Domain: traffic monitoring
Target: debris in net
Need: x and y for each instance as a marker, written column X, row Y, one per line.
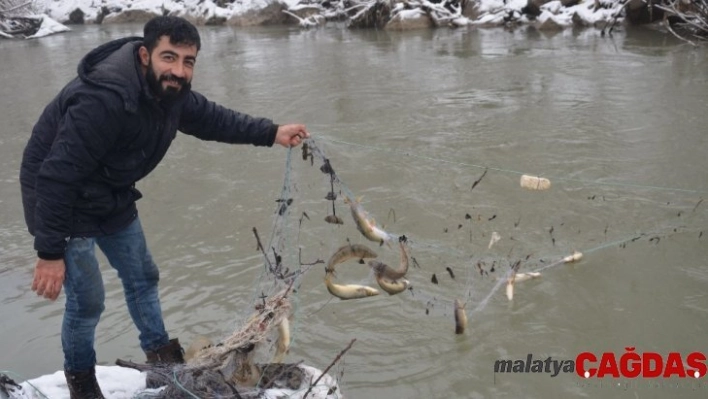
column 326, row 168
column 305, row 151
column 476, row 182
column 695, row 207
column 333, row 219
column 535, row 182
column 227, row 369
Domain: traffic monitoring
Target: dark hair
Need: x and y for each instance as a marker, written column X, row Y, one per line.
column 179, row 30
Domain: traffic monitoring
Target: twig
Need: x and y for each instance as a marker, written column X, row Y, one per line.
column 135, row 366
column 260, row 247
column 668, row 27
column 15, row 7
column 614, row 20
column 476, row 182
column 314, row 384
column 299, row 258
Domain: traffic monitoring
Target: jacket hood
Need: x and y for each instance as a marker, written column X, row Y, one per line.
column 114, row 65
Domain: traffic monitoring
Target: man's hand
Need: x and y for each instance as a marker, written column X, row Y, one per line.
column 48, row 278
column 291, row 135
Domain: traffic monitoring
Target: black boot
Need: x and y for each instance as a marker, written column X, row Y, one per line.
column 166, row 355
column 83, row 384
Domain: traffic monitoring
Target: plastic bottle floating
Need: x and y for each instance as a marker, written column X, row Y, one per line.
column 535, row 182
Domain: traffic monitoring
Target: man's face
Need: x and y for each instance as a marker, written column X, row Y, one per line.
column 169, row 68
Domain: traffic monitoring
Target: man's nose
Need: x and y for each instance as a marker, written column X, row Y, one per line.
column 178, row 70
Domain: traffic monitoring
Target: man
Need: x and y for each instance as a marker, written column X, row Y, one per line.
column 107, row 129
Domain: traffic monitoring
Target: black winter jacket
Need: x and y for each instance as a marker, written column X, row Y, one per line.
column 102, row 133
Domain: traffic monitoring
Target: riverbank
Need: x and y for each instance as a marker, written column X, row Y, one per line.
column 399, row 15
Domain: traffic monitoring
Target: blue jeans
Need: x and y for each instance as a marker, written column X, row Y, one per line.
column 127, row 252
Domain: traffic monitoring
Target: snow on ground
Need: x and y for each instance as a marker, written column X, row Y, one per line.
column 124, row 383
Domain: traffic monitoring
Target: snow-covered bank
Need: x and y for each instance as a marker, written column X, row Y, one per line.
column 409, row 14
column 29, row 26
column 383, row 14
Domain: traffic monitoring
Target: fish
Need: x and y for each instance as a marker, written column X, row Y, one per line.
column 576, row 256
column 367, row 226
column 388, row 272
column 510, row 288
column 526, row 276
column 517, row 278
column 283, row 345
column 393, row 287
column 347, row 252
column 199, row 343
column 349, row 291
column 460, row 317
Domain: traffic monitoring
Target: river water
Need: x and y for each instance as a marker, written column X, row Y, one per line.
column 410, row 121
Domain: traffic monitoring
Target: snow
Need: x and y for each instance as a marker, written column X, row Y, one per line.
column 489, row 12
column 124, row 383
column 48, row 27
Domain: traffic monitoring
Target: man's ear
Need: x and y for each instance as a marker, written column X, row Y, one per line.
column 144, row 56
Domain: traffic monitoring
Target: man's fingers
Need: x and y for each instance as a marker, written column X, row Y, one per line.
column 40, row 289
column 53, row 294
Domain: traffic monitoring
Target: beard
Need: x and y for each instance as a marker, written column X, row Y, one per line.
column 165, row 92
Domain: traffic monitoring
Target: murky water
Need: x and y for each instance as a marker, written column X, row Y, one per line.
column 410, row 121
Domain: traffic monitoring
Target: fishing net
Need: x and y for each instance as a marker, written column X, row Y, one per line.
column 319, row 221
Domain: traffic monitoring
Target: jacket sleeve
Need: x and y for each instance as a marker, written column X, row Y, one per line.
column 207, row 120
column 88, row 128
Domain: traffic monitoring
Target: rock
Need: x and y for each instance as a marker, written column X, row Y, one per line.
column 127, row 16
column 76, row 17
column 270, row 15
column 638, row 12
column 533, row 7
column 215, row 21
